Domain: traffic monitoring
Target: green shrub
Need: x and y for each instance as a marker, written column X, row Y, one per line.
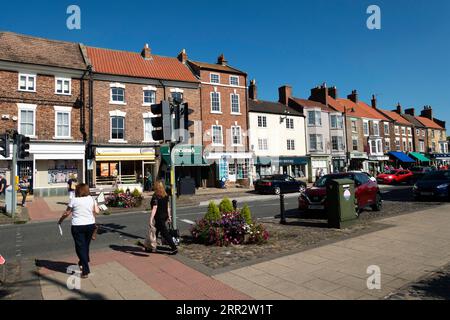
column 136, row 193
column 226, row 206
column 213, row 213
column 246, row 214
column 119, row 191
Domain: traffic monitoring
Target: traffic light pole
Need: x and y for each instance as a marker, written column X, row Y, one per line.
column 173, row 199
column 13, row 180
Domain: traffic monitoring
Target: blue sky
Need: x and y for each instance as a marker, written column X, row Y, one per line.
column 301, row 43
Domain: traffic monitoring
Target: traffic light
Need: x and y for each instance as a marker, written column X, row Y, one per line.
column 185, row 123
column 162, row 123
column 4, row 145
column 23, row 146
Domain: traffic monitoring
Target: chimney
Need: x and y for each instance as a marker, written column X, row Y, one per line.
column 411, row 112
column 398, row 109
column 146, row 52
column 285, row 92
column 427, row 112
column 253, row 90
column 333, row 92
column 221, row 60
column 353, row 96
column 182, row 56
column 320, row 94
column 440, row 122
column 374, row 101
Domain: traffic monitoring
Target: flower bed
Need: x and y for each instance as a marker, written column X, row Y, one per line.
column 121, row 199
column 227, row 226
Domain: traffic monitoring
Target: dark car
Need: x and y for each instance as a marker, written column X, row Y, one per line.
column 278, row 184
column 367, row 192
column 419, row 172
column 433, row 185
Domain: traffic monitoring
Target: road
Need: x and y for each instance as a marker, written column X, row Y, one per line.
column 35, row 240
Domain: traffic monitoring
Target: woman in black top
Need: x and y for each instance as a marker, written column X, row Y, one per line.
column 161, row 214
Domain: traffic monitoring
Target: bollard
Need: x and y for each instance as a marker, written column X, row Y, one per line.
column 282, row 210
column 235, row 205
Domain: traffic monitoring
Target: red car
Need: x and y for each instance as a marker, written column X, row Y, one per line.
column 366, row 191
column 395, row 177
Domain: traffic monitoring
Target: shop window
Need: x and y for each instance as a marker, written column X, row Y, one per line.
column 242, row 169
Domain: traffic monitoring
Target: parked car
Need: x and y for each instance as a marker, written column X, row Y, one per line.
column 419, row 172
column 367, row 192
column 435, row 184
column 395, row 177
column 278, row 184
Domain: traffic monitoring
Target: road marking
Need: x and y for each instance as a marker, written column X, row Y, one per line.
column 188, row 221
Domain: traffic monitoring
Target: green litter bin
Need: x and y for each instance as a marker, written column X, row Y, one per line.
column 340, row 203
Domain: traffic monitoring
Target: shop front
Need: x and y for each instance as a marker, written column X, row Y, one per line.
column 358, row 161
column 441, row 159
column 400, row 159
column 124, row 168
column 318, row 166
column 50, row 167
column 338, row 163
column 420, row 158
column 230, row 167
column 293, row 166
column 376, row 164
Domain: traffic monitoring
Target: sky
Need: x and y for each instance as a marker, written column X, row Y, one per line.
column 295, row 42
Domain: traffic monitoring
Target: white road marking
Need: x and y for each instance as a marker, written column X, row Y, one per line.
column 188, row 221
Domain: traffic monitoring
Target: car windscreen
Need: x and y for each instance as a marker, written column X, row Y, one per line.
column 392, row 171
column 439, row 175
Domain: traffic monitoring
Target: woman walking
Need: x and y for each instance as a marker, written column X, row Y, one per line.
column 160, row 215
column 24, row 187
column 82, row 207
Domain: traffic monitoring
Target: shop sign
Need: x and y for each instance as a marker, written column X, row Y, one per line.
column 358, row 155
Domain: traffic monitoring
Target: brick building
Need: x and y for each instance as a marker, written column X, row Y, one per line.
column 42, row 96
column 125, row 86
column 224, row 114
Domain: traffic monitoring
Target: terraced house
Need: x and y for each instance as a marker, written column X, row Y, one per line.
column 42, row 96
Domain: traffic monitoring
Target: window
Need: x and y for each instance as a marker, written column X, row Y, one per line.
column 148, row 128
column 149, row 97
column 27, row 82
column 316, row 142
column 236, row 135
column 27, row 120
column 386, row 129
column 242, row 168
column 235, row 105
column 422, row 146
column 354, row 128
column 366, row 127
column 336, row 122
column 355, row 143
column 217, row 137
column 215, row 78
column 405, row 146
column 289, row 123
column 263, row 145
column 234, row 80
column 117, row 128
column 62, row 122
column 409, row 131
column 63, row 86
column 314, row 118
column 397, row 144
column 432, row 134
column 375, row 147
column 262, row 122
column 410, row 145
column 387, row 145
column 337, row 143
column 404, row 131
column 442, row 146
column 376, row 129
column 397, row 130
column 417, row 132
column 423, row 133
column 433, row 146
column 291, row 144
column 215, row 102
column 117, row 94
column 177, row 95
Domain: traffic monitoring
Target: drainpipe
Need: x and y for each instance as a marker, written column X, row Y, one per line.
column 90, row 152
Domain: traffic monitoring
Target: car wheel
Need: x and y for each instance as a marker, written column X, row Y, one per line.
column 277, row 191
column 378, row 203
column 302, row 189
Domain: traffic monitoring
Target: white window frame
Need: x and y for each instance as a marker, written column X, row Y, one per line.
column 263, row 144
column 317, row 118
column 120, row 114
column 238, row 103
column 409, row 131
column 62, row 87
column 366, row 124
column 340, row 143
column 232, row 136
column 355, row 138
column 290, row 124
column 317, row 142
column 148, row 89
column 117, row 86
column 148, row 116
column 221, row 135
column 397, row 130
column 410, row 145
column 398, row 144
column 403, row 131
column 220, row 103
column 27, row 77
column 386, row 125
column 263, row 121
column 356, row 125
column 27, row 107
column 234, row 77
column 421, row 146
column 290, row 144
column 211, row 76
column 387, row 144
column 376, row 124
column 64, row 110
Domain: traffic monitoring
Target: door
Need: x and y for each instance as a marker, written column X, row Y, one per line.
column 232, row 171
column 25, row 169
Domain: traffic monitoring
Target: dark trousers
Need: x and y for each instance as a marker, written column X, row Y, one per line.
column 82, row 235
column 161, row 227
column 24, row 196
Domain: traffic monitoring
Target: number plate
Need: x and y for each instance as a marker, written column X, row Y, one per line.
column 316, row 207
column 426, row 193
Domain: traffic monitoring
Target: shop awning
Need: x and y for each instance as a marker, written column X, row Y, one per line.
column 185, row 156
column 401, row 157
column 419, row 156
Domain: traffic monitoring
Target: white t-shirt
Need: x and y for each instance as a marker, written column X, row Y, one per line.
column 82, row 211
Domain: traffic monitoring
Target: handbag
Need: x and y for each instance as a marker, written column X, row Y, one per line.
column 175, row 234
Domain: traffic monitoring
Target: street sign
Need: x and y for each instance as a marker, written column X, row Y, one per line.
column 2, row 260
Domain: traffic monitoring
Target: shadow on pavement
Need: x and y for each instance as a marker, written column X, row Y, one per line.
column 57, row 266
column 434, row 288
column 115, row 228
column 139, row 251
column 306, row 219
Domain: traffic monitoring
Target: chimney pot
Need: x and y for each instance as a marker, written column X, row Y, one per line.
column 411, row 112
column 146, row 52
column 374, row 101
column 427, row 112
column 221, row 60
column 182, row 56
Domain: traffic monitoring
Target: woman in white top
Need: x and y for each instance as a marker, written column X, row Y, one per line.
column 82, row 207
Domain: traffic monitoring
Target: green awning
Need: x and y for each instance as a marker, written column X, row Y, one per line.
column 185, row 156
column 419, row 156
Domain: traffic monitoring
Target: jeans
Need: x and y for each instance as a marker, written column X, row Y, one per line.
column 82, row 235
column 162, row 228
column 24, row 196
